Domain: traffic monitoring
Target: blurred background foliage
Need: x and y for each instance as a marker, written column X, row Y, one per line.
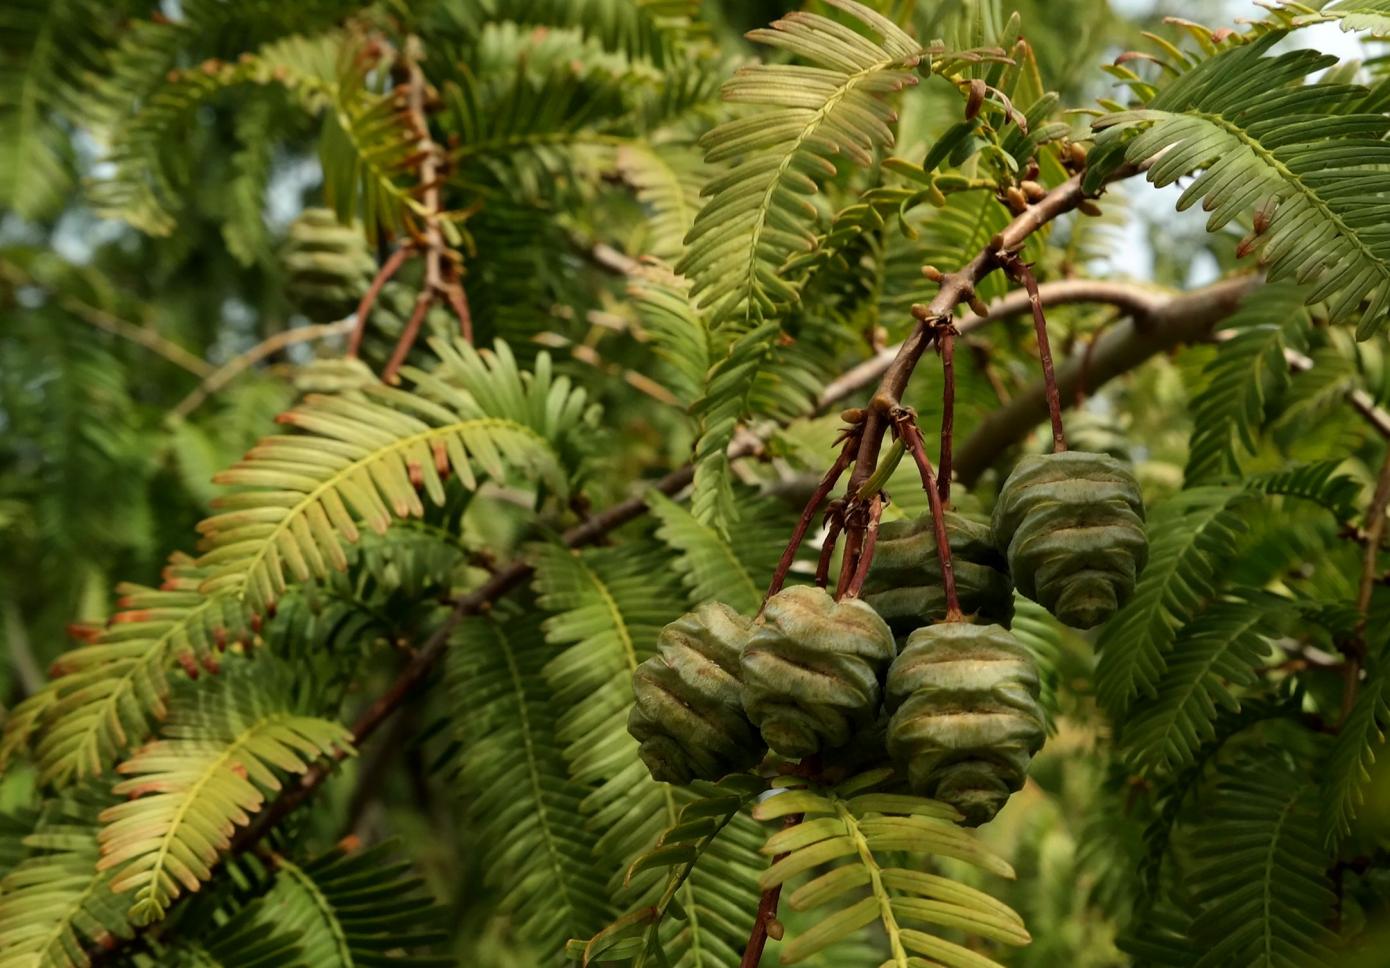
column 131, row 369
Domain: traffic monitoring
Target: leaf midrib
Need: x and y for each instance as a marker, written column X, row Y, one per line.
column 1292, row 179
column 852, row 81
column 249, row 566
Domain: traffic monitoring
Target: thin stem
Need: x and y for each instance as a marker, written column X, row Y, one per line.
column 906, row 423
column 408, row 336
column 947, row 341
column 1375, row 531
column 827, row 549
column 854, row 543
column 958, row 287
column 364, row 307
column 458, row 301
column 866, row 556
column 238, row 364
column 808, row 514
column 1020, row 271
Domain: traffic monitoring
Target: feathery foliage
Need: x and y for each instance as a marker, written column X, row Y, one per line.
column 218, row 756
column 300, row 497
column 55, row 903
column 1262, row 139
column 1189, row 537
column 514, row 776
column 1216, row 653
column 758, row 213
column 351, row 908
column 848, row 841
column 1263, row 893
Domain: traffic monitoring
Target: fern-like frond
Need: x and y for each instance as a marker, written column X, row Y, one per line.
column 218, row 756
column 728, row 390
column 56, row 904
column 1216, row 654
column 1353, row 751
column 105, row 694
column 355, row 908
column 667, row 179
column 758, row 214
column 1260, row 875
column 514, row 777
column 852, row 838
column 733, row 570
column 687, row 852
column 1264, row 138
column 366, row 460
column 243, row 936
column 1247, row 370
column 1372, row 16
column 1190, row 536
column 1319, row 482
column 679, row 332
column 45, row 48
column 365, row 143
column 650, row 29
column 606, row 608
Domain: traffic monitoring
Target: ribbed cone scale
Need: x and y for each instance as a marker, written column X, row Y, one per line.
column 327, row 265
column 1072, row 525
column 905, row 586
column 813, row 670
column 688, row 713
column 966, row 720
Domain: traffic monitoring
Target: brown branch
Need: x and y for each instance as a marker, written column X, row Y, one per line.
column 947, row 344
column 1127, row 297
column 767, row 913
column 808, row 514
column 956, row 287
column 1355, row 650
column 368, row 300
column 836, row 524
column 1361, row 401
column 906, row 423
column 1164, row 323
column 242, row 362
column 866, row 555
column 1021, row 271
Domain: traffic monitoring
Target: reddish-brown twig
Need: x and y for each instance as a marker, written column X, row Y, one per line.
column 835, row 524
column 458, row 301
column 866, row 555
column 906, row 422
column 408, row 336
column 808, row 514
column 1020, row 271
column 854, row 544
column 767, row 904
column 947, row 342
column 364, row 307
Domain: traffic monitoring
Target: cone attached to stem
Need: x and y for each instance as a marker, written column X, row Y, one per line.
column 688, row 713
column 813, row 670
column 966, row 720
column 1072, row 526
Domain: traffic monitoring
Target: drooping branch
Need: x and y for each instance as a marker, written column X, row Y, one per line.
column 956, row 288
column 1162, row 324
column 906, row 423
column 1021, row 271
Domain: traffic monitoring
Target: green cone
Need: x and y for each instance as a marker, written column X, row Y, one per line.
column 687, row 712
column 1072, row 525
column 966, row 720
column 813, row 669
